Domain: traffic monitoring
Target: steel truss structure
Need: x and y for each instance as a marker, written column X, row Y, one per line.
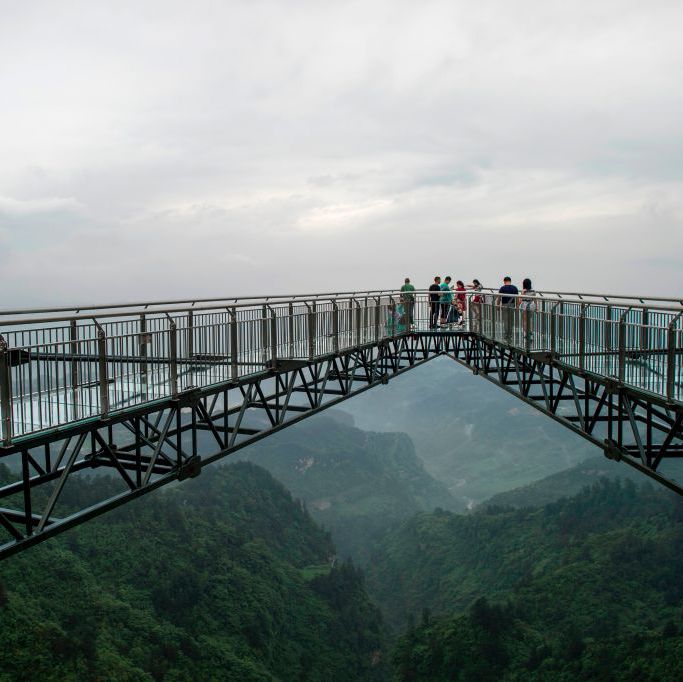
column 628, row 425
column 153, row 394
column 154, row 445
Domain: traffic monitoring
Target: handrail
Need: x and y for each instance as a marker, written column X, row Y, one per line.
column 605, row 300
column 192, row 301
column 609, row 297
column 6, row 324
column 236, row 300
column 256, row 302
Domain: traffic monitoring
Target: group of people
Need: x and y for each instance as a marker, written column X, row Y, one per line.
column 448, row 302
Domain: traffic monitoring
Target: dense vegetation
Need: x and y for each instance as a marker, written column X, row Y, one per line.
column 444, row 561
column 356, row 483
column 228, row 577
column 225, row 577
column 584, row 588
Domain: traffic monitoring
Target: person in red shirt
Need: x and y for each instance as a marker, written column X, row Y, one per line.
column 462, row 299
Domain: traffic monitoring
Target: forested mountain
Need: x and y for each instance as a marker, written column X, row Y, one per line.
column 228, row 577
column 471, row 435
column 225, row 577
column 588, row 548
column 594, row 593
column 358, row 484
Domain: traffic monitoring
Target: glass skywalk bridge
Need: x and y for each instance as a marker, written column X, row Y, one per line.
column 139, row 388
column 639, row 346
column 60, row 370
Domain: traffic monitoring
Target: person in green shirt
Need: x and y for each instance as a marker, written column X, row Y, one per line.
column 446, row 298
column 408, row 300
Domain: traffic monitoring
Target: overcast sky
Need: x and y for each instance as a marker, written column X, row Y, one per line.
column 153, row 149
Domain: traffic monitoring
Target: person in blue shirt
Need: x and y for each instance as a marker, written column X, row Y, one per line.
column 508, row 288
column 446, row 298
column 508, row 304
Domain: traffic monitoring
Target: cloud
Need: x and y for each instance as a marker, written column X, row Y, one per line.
column 10, row 207
column 343, row 216
column 308, row 145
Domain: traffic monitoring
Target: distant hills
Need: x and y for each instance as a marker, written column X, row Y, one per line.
column 472, row 436
column 565, row 483
column 356, row 483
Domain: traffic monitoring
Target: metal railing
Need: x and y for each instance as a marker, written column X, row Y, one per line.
column 57, row 369
column 639, row 346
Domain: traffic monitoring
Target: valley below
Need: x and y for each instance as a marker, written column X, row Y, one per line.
column 432, row 529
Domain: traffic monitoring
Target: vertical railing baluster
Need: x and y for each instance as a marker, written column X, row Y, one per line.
column 232, row 313
column 527, row 329
column 496, row 307
column 608, row 340
column 264, row 332
column 311, row 329
column 377, row 317
column 622, row 345
column 5, row 392
column 561, row 324
column 173, row 356
column 273, row 338
column 143, row 342
column 553, row 330
column 73, row 347
column 392, row 307
column 190, row 334
column 358, row 321
column 103, row 369
column 671, row 357
column 645, row 330
column 351, row 322
column 335, row 327
column 582, row 337
column 290, row 325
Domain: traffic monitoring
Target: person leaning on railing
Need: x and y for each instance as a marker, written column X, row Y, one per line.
column 508, row 301
column 527, row 304
column 475, row 303
column 408, row 300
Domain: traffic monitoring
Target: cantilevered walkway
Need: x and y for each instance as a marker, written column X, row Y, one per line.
column 154, row 391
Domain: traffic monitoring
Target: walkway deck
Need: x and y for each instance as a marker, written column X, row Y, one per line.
column 56, row 369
